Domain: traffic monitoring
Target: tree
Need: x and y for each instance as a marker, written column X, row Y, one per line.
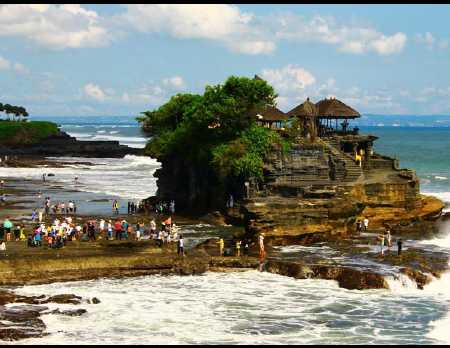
column 216, row 130
column 7, row 108
column 15, row 110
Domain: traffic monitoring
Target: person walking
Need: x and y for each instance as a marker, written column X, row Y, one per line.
column 399, row 246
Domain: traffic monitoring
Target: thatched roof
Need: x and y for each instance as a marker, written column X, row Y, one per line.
column 334, row 108
column 305, row 109
column 271, row 114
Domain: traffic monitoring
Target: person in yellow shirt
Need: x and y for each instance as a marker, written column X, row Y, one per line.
column 22, row 234
column 238, row 248
column 221, row 245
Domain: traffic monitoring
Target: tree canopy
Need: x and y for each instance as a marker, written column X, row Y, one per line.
column 217, row 129
column 17, row 111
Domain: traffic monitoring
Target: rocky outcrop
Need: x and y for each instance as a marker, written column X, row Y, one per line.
column 316, row 189
column 63, row 144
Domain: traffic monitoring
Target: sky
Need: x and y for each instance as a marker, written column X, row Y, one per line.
column 59, row 60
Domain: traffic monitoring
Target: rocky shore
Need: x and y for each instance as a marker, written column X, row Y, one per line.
column 62, row 144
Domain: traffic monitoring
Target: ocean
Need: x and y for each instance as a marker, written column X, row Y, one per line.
column 248, row 307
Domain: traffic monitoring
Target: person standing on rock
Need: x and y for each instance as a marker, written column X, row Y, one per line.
column 7, row 226
column 388, row 238
column 399, row 246
column 381, row 238
column 221, row 245
column 366, row 224
column 181, row 245
column 262, row 251
column 358, row 226
column 238, row 248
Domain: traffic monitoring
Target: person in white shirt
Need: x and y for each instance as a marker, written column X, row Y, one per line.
column 366, row 224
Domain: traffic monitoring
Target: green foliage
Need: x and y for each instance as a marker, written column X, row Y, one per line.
column 216, row 130
column 25, row 133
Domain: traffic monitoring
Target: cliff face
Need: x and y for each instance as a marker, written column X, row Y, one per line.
column 318, row 190
column 194, row 189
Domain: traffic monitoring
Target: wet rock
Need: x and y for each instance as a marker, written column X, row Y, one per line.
column 70, row 312
column 95, row 300
column 348, row 278
column 21, row 322
column 64, row 298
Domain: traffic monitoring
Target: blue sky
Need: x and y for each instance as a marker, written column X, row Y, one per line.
column 73, row 60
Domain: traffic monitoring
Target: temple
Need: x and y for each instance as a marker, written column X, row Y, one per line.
column 330, row 177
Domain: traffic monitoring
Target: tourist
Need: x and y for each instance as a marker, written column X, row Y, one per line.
column 71, row 206
column 181, row 245
column 101, row 227
column 91, row 231
column 152, row 226
column 358, row 226
column 129, row 207
column 116, row 207
column 388, row 238
column 221, row 245
column 110, row 230
column 17, row 233
column 7, row 226
column 262, row 251
column 43, row 177
column 366, row 224
column 118, row 229
column 22, row 235
column 2, row 245
column 37, row 237
column 2, row 183
column 238, row 248
column 246, row 247
column 399, row 246
column 33, row 215
column 381, row 237
column 40, row 216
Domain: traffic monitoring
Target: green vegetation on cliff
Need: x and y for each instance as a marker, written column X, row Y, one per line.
column 21, row 133
column 216, row 130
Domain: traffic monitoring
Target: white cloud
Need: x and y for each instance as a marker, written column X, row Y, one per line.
column 175, row 82
column 94, row 92
column 291, row 82
column 356, row 40
column 4, row 64
column 289, row 78
column 426, row 39
column 54, row 26
column 21, row 69
column 218, row 22
column 18, row 68
column 430, row 41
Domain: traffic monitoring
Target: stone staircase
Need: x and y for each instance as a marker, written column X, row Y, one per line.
column 352, row 171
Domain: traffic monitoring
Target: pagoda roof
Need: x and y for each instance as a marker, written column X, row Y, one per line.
column 334, row 108
column 305, row 109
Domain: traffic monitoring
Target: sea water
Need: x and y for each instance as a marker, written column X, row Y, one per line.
column 255, row 307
